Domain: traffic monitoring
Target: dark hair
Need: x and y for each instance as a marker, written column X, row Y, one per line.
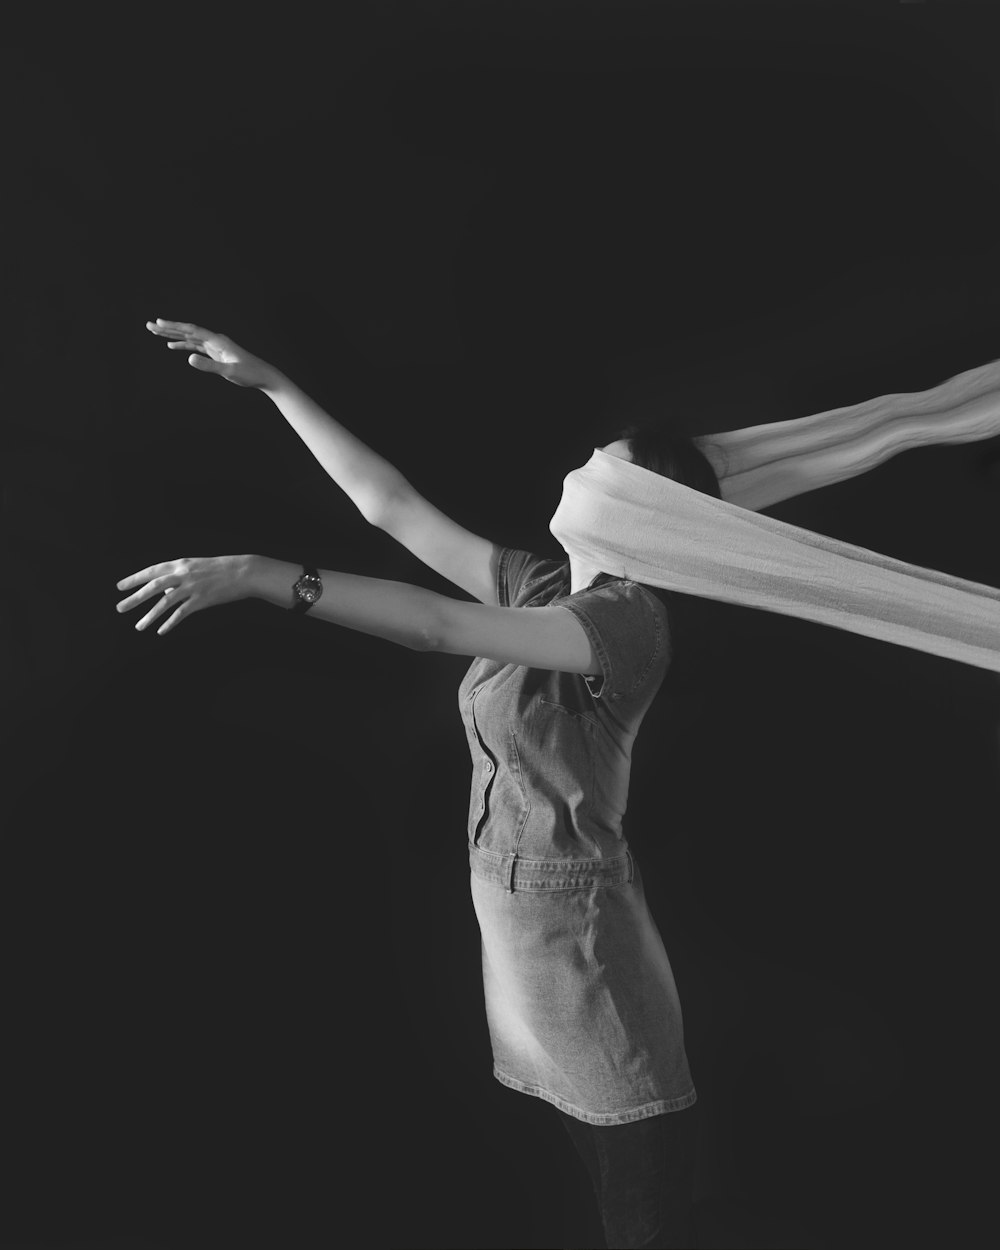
column 673, row 454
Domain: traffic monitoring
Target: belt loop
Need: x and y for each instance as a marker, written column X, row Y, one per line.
column 508, row 872
column 631, row 868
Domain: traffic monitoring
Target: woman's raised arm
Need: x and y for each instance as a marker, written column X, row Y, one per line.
column 370, row 481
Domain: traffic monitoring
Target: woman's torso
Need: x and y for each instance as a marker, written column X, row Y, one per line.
column 551, row 751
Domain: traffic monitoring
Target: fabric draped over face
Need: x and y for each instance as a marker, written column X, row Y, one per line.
column 619, row 518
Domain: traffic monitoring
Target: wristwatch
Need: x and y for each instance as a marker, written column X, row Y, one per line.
column 307, row 589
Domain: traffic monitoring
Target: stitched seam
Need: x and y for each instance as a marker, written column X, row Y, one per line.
column 658, row 626
column 502, row 597
column 588, row 718
column 598, row 644
column 614, row 1117
column 520, row 781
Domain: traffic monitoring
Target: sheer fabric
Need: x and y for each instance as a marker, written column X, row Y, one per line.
column 619, row 518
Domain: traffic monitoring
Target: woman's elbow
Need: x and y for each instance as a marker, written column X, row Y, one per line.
column 425, row 639
column 437, row 630
column 428, row 628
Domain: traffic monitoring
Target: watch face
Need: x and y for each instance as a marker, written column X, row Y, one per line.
column 308, row 588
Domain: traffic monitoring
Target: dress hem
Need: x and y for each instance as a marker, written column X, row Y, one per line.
column 598, row 1117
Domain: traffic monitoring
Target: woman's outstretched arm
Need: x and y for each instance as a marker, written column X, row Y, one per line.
column 395, row 611
column 369, row 480
column 545, row 637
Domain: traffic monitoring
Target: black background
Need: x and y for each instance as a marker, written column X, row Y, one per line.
column 241, row 998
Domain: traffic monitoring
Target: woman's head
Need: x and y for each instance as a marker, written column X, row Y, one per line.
column 667, row 452
column 582, row 510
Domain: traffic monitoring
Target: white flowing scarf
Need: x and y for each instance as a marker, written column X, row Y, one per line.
column 617, row 517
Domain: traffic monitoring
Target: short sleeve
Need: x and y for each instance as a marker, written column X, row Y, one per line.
column 628, row 627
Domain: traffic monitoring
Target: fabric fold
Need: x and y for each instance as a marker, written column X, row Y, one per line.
column 761, row 465
column 619, row 518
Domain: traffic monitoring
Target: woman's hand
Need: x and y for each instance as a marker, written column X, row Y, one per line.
column 186, row 586
column 221, row 354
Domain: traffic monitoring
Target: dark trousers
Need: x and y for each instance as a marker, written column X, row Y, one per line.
column 643, row 1175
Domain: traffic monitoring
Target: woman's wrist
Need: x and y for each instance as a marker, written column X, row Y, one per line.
column 262, row 577
column 276, row 384
column 248, row 575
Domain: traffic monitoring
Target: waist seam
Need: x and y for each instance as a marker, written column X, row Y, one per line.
column 517, row 872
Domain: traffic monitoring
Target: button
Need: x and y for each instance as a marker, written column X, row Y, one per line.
column 489, row 767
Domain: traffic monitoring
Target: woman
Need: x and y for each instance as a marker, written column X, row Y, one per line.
column 581, row 1001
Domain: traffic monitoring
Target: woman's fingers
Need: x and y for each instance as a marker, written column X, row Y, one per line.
column 172, row 336
column 205, row 365
column 177, row 329
column 179, row 615
column 185, row 327
column 164, row 580
column 157, row 586
column 166, row 600
column 190, row 344
column 168, row 327
column 151, row 581
column 144, row 575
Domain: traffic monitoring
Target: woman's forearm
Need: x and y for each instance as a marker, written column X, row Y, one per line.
column 396, row 611
column 368, row 479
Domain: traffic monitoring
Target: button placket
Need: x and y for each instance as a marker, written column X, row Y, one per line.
column 487, row 765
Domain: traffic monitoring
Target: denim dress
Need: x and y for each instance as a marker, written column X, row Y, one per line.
column 580, row 998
